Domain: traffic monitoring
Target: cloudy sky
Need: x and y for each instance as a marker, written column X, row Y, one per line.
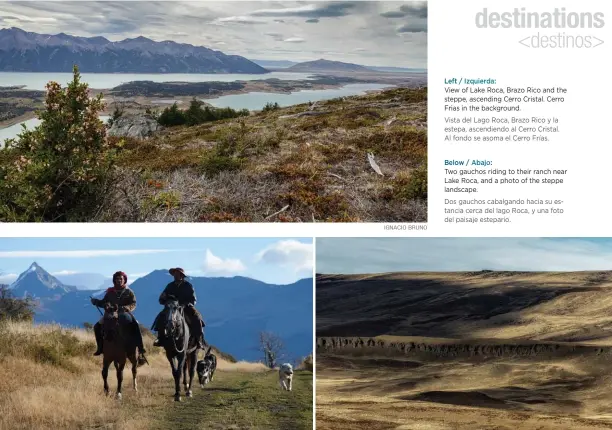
column 364, row 32
column 379, row 255
column 278, row 261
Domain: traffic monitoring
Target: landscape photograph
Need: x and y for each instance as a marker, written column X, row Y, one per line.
column 213, row 111
column 74, row 312
column 464, row 333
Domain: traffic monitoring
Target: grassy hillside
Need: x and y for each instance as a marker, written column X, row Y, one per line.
column 562, row 306
column 464, row 350
column 302, row 163
column 50, row 380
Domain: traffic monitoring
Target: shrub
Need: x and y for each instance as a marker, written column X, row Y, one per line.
column 195, row 114
column 117, row 113
column 172, row 116
column 415, row 186
column 14, row 308
column 270, row 107
column 60, row 170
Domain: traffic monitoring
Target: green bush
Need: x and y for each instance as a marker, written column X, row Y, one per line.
column 270, row 107
column 196, row 114
column 172, row 116
column 14, row 308
column 416, row 186
column 60, row 170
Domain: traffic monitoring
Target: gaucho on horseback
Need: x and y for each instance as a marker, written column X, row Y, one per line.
column 182, row 291
column 123, row 297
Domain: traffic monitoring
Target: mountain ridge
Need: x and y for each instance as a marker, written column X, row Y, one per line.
column 235, row 309
column 35, row 52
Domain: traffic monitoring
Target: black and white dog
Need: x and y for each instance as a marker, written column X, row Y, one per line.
column 206, row 367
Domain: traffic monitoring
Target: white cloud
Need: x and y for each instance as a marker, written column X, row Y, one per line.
column 288, row 253
column 81, row 253
column 64, row 273
column 214, row 265
column 375, row 255
column 8, row 278
column 240, row 20
column 294, row 40
column 340, row 27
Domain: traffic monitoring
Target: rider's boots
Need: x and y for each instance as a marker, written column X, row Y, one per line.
column 159, row 340
column 99, row 340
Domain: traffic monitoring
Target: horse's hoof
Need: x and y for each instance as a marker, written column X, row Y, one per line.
column 189, row 393
column 177, row 398
column 201, row 385
column 119, row 396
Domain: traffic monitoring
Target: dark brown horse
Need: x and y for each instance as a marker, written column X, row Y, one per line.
column 181, row 348
column 119, row 346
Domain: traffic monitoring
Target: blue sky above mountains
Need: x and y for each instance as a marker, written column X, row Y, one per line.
column 385, row 33
column 276, row 261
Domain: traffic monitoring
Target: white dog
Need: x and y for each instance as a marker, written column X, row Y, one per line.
column 285, row 376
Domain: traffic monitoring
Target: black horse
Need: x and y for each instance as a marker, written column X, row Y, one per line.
column 181, row 348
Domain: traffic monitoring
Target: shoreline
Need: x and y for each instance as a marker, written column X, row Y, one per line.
column 144, row 102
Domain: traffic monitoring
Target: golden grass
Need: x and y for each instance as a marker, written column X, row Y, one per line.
column 66, row 390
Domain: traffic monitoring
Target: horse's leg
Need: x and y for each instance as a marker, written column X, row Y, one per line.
column 177, row 377
column 192, row 363
column 105, row 365
column 179, row 372
column 119, row 365
column 185, row 376
column 134, row 362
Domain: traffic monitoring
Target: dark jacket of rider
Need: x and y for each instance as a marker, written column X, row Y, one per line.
column 124, row 298
column 182, row 290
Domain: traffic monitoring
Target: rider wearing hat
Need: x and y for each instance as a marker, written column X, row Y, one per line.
column 123, row 297
column 183, row 291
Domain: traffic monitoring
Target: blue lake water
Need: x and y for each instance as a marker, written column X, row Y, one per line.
column 37, row 81
column 257, row 100
column 14, row 130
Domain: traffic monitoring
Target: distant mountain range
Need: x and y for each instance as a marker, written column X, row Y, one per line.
column 327, row 65
column 22, row 51
column 235, row 309
column 323, row 65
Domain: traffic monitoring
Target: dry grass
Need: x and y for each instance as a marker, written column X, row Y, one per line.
column 464, row 350
column 306, row 364
column 248, row 169
column 66, row 392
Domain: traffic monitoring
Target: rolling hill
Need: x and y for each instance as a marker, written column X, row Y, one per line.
column 22, row 51
column 463, row 350
column 235, row 309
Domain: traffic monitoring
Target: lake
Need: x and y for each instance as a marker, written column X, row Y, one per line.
column 250, row 101
column 14, row 130
column 37, row 81
column 257, row 100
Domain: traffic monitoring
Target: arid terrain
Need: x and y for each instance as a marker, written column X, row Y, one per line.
column 50, row 380
column 477, row 350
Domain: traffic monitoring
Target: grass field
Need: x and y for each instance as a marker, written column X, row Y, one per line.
column 465, row 350
column 50, row 380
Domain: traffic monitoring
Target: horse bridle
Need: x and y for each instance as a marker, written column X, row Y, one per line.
column 174, row 327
